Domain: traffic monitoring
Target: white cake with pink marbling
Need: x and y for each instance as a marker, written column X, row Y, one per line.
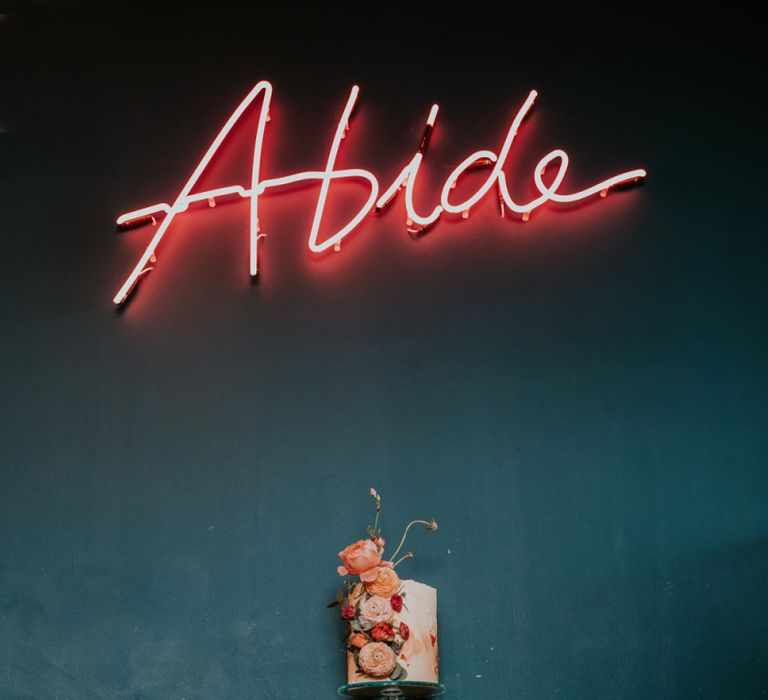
column 418, row 656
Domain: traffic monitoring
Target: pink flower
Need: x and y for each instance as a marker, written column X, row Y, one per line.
column 361, row 559
column 396, row 602
column 370, row 575
column 405, row 631
column 376, row 609
column 348, row 613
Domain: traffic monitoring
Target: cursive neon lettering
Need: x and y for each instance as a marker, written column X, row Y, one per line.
column 375, row 202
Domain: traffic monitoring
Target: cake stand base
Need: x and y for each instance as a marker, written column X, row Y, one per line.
column 392, row 689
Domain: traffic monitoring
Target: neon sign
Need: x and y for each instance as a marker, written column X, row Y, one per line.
column 376, row 201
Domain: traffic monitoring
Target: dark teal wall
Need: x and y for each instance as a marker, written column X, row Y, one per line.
column 580, row 401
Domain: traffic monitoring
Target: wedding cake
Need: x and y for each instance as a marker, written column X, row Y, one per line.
column 391, row 623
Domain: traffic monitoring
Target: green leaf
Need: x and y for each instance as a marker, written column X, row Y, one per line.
column 399, row 674
column 334, row 604
column 355, row 656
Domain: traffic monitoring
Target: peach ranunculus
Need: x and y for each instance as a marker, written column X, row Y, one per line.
column 386, row 583
column 361, row 559
column 358, row 640
column 376, row 609
column 377, row 659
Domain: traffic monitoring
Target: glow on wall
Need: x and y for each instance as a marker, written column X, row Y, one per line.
column 377, row 198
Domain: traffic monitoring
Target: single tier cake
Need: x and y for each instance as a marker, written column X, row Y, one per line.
column 412, row 650
column 392, row 623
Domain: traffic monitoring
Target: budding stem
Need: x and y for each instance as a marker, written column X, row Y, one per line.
column 405, row 534
column 377, row 500
column 407, row 555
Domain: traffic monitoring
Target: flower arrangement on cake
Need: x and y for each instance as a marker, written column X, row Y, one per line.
column 391, row 623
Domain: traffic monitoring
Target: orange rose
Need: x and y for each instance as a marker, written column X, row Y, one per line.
column 358, row 640
column 377, row 659
column 386, row 583
column 359, row 559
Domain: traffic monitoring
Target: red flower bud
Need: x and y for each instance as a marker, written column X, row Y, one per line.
column 396, row 602
column 349, row 612
column 405, row 631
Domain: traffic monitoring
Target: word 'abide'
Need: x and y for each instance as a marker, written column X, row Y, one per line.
column 377, row 199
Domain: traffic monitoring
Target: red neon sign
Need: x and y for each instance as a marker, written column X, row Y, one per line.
column 416, row 223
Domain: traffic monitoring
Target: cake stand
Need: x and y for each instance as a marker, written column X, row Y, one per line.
column 392, row 689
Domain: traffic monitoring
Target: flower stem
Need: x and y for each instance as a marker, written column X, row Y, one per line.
column 373, row 531
column 405, row 534
column 407, row 555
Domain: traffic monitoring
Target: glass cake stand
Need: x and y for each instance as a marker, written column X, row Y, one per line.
column 392, row 689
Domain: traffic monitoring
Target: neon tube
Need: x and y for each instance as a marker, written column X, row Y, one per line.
column 183, row 200
column 405, row 179
column 331, row 174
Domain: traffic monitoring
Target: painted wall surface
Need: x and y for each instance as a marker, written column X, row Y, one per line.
column 580, row 400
